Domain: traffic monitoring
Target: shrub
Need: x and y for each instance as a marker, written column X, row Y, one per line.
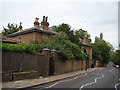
column 65, row 47
column 29, row 48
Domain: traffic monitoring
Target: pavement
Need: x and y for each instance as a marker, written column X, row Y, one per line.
column 44, row 80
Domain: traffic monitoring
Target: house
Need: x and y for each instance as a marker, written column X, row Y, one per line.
column 85, row 47
column 40, row 32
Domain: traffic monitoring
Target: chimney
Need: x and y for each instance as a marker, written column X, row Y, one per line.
column 36, row 23
column 43, row 18
column 44, row 23
column 46, row 19
column 20, row 27
column 85, row 39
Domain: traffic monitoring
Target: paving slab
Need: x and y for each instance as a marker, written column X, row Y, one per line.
column 43, row 80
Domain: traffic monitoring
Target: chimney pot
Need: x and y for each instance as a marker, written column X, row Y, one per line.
column 36, row 23
column 44, row 23
column 20, row 27
column 85, row 39
column 43, row 18
column 46, row 19
column 36, row 19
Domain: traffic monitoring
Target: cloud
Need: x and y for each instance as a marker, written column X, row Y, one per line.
column 96, row 17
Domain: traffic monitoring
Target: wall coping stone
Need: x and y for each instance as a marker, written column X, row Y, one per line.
column 53, row 50
column 46, row 49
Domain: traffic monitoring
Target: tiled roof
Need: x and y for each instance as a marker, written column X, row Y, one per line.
column 85, row 44
column 6, row 39
column 33, row 29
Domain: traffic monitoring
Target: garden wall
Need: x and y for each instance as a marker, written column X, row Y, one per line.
column 64, row 66
column 46, row 63
column 16, row 61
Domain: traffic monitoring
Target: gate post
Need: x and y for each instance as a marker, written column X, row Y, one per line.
column 54, row 56
column 46, row 54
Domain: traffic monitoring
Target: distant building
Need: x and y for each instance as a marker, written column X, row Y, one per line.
column 40, row 32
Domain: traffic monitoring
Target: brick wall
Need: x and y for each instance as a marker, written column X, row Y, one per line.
column 34, row 36
column 47, row 63
column 25, row 38
column 89, row 50
column 71, row 65
column 41, row 37
column 64, row 66
column 77, row 65
column 14, row 61
column 97, row 63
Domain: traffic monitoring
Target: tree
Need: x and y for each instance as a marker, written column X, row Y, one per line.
column 115, row 57
column 101, row 36
column 66, row 28
column 11, row 28
column 62, row 28
column 80, row 34
column 64, row 46
column 101, row 51
column 73, row 35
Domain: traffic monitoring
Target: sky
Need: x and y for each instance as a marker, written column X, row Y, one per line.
column 95, row 16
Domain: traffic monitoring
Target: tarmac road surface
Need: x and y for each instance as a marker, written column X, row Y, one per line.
column 100, row 79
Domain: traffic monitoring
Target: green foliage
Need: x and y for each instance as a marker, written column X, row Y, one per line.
column 29, row 48
column 28, row 71
column 101, row 51
column 65, row 47
column 67, row 30
column 66, row 42
column 60, row 42
column 115, row 57
column 101, row 36
column 73, row 35
column 62, row 28
column 80, row 34
column 75, row 49
column 11, row 28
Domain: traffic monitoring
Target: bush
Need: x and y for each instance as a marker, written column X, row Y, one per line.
column 29, row 48
column 76, row 51
column 65, row 47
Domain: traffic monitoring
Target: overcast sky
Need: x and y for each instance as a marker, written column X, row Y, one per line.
column 95, row 16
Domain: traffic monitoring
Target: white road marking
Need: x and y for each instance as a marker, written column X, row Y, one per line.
column 83, row 75
column 112, row 70
column 65, row 81
column 76, row 77
column 116, row 86
column 91, row 82
column 52, row 85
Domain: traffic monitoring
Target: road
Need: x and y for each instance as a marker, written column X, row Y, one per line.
column 106, row 78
